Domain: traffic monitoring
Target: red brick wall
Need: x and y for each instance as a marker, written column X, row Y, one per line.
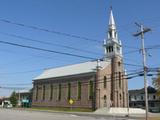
column 84, row 102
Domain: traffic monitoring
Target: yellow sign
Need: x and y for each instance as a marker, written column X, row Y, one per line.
column 71, row 101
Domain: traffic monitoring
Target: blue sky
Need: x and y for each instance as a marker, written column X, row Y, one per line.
column 86, row 18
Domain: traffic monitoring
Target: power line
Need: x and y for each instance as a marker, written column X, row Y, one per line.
column 132, row 60
column 133, row 65
column 153, row 47
column 21, row 84
column 130, row 47
column 47, row 43
column 13, row 88
column 40, row 69
column 100, row 81
column 45, row 50
column 22, row 72
column 56, row 32
column 133, row 51
column 50, row 31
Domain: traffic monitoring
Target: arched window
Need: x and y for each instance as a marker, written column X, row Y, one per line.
column 118, row 49
column 90, row 90
column 109, row 48
column 119, row 63
column 115, row 34
column 120, row 96
column 105, row 97
column 104, row 82
column 79, row 90
column 110, row 34
column 112, row 48
column 120, row 79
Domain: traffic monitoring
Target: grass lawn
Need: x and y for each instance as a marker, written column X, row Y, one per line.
column 62, row 109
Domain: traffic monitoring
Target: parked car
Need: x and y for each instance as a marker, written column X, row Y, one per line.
column 6, row 104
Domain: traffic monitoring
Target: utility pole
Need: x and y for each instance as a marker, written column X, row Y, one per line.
column 141, row 33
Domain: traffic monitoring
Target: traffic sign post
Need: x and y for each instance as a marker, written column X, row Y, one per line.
column 71, row 102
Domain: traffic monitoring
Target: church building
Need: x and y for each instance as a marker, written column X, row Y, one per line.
column 90, row 85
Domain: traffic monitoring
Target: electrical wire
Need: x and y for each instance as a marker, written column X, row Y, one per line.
column 55, row 32
column 110, row 78
column 45, row 50
column 48, row 43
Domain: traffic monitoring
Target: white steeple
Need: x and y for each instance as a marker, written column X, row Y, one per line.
column 112, row 33
column 111, row 20
column 112, row 45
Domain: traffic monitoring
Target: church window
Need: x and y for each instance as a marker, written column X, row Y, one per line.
column 79, row 90
column 118, row 49
column 104, row 81
column 105, row 97
column 120, row 96
column 59, row 92
column 37, row 92
column 112, row 48
column 120, row 79
column 110, row 34
column 90, row 90
column 69, row 91
column 44, row 90
column 51, row 92
column 115, row 34
column 109, row 49
column 119, row 63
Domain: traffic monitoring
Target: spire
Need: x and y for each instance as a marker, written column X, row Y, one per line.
column 112, row 33
column 112, row 44
column 111, row 19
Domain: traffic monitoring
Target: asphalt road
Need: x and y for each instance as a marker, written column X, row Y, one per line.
column 11, row 114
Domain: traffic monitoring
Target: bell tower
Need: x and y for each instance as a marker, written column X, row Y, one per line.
column 113, row 51
column 112, row 45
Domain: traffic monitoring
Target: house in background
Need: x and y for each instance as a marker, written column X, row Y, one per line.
column 137, row 99
column 92, row 84
column 24, row 98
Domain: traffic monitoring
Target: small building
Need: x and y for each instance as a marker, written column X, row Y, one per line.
column 24, row 98
column 137, row 99
column 92, row 84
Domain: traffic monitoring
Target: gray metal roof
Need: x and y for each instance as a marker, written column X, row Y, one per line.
column 74, row 69
column 141, row 91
